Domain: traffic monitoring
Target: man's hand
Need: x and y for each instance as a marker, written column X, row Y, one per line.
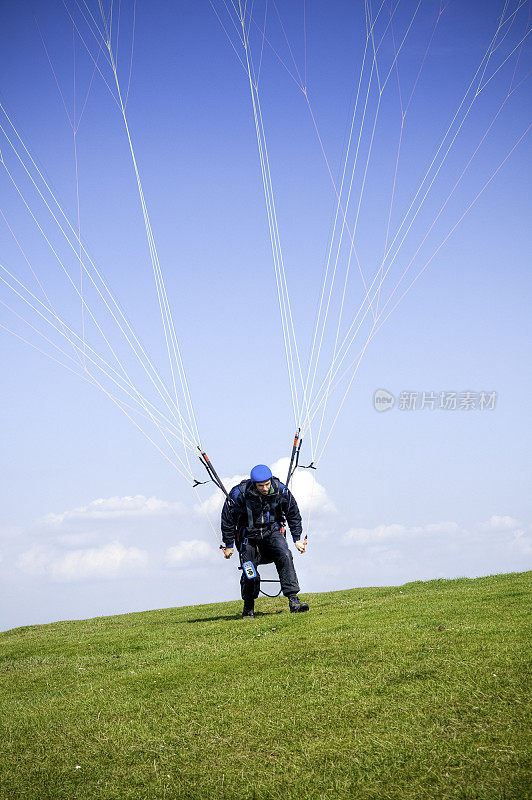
column 301, row 545
column 227, row 551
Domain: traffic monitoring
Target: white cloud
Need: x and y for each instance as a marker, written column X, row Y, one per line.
column 397, row 553
column 77, row 545
column 396, row 531
column 499, row 524
column 369, row 535
column 522, row 542
column 8, row 532
column 194, row 552
column 113, row 508
column 309, row 493
column 78, row 539
column 213, row 504
column 438, row 527
column 109, row 561
column 34, row 561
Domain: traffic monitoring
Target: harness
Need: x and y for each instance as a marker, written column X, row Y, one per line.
column 274, row 518
column 274, row 522
column 271, row 524
column 250, row 573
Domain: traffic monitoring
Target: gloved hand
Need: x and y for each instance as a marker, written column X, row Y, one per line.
column 228, row 552
column 301, row 545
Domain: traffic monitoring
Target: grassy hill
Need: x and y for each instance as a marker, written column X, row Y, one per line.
column 416, row 691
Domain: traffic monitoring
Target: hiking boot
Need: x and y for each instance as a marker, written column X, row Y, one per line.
column 296, row 604
column 249, row 609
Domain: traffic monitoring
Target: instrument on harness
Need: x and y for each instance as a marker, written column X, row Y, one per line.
column 249, row 569
column 250, row 572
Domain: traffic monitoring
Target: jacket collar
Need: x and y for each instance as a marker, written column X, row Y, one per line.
column 251, row 489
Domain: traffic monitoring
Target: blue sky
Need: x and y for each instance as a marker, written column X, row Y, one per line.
column 94, row 520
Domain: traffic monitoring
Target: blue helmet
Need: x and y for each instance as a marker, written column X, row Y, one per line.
column 260, row 473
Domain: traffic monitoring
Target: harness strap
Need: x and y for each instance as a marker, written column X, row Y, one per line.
column 261, row 533
column 265, row 580
column 250, row 516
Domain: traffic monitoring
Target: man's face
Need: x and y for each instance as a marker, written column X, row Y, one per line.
column 263, row 487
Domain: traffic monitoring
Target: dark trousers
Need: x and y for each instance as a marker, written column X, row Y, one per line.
column 272, row 548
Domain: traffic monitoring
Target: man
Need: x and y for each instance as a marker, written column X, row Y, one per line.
column 254, row 515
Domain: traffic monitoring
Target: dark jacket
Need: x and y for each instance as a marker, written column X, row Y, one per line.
column 247, row 512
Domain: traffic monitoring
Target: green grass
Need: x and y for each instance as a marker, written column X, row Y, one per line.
column 417, row 691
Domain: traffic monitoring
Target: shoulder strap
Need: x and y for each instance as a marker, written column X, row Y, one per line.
column 279, row 486
column 239, row 490
column 243, row 487
column 250, row 516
